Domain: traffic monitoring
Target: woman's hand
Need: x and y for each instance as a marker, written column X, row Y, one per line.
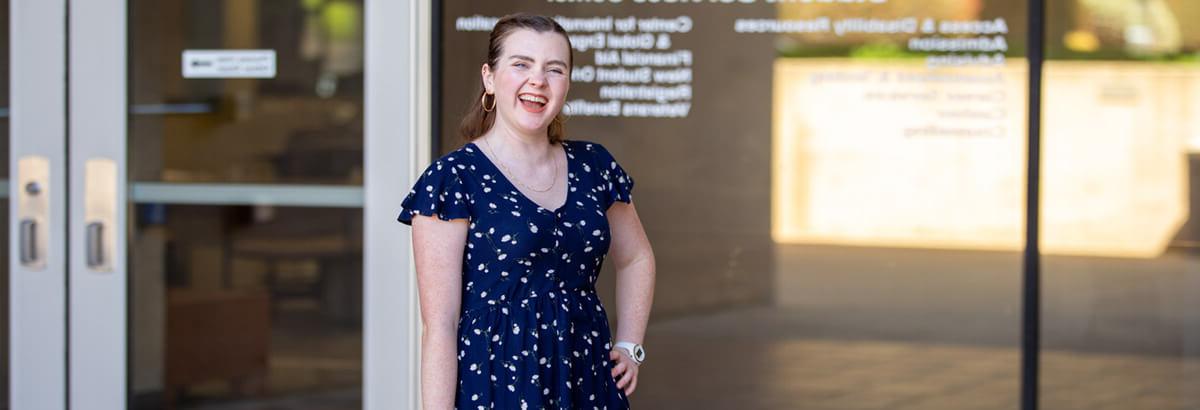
column 626, row 368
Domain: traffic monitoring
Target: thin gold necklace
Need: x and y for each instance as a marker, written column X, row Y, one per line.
column 513, row 176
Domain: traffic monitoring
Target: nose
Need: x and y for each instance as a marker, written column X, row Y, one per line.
column 537, row 79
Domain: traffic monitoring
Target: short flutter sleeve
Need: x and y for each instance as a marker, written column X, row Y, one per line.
column 619, row 184
column 439, row 191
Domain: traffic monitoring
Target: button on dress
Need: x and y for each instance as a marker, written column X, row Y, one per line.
column 532, row 332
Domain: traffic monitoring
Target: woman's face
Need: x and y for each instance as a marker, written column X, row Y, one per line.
column 530, row 80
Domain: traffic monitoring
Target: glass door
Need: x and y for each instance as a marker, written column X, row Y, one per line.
column 218, row 201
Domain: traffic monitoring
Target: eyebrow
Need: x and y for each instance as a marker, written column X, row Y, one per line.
column 530, row 59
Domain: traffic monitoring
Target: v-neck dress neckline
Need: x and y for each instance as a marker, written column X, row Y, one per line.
column 566, row 199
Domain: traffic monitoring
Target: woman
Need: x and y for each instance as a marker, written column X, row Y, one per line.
column 509, row 233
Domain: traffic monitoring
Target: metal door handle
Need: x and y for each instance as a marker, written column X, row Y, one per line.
column 100, row 215
column 29, row 251
column 95, row 245
column 32, row 194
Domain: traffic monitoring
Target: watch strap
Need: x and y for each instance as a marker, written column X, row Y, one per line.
column 636, row 351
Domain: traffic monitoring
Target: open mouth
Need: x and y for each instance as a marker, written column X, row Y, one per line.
column 532, row 102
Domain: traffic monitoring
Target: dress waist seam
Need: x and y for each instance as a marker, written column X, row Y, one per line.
column 478, row 311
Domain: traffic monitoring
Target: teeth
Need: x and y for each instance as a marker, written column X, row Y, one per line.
column 532, row 98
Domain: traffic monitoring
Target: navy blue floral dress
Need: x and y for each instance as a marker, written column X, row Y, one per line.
column 532, row 332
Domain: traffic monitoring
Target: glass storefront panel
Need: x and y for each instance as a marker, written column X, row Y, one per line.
column 834, row 190
column 246, row 118
column 246, row 306
column 300, row 125
column 1120, row 165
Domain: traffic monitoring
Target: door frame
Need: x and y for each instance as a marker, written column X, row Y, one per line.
column 37, row 294
column 398, row 138
column 97, row 107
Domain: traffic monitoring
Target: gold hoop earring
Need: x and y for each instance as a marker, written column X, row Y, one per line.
column 483, row 102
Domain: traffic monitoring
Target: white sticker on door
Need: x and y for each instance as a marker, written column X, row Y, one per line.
column 229, row 64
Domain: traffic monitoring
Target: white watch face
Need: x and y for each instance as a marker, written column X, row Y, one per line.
column 635, row 351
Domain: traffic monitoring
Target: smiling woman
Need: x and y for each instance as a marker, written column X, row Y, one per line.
column 510, row 232
column 480, row 117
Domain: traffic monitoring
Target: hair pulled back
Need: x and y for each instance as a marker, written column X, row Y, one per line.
column 476, row 121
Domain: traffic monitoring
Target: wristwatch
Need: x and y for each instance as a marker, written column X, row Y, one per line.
column 636, row 351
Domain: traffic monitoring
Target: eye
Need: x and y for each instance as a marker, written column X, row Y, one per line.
column 520, row 65
column 556, row 70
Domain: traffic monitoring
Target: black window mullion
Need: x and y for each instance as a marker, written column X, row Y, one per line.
column 1031, row 292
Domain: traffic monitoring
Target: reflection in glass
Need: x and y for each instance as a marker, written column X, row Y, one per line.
column 256, row 305
column 1120, row 181
column 837, row 217
column 302, row 126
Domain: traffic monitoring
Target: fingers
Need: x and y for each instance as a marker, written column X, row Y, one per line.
column 627, row 380
column 618, row 369
column 619, row 366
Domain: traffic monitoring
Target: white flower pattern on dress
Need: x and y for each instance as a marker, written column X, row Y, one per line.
column 532, row 331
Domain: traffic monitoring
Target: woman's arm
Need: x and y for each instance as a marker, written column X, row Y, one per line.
column 438, row 246
column 634, row 260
